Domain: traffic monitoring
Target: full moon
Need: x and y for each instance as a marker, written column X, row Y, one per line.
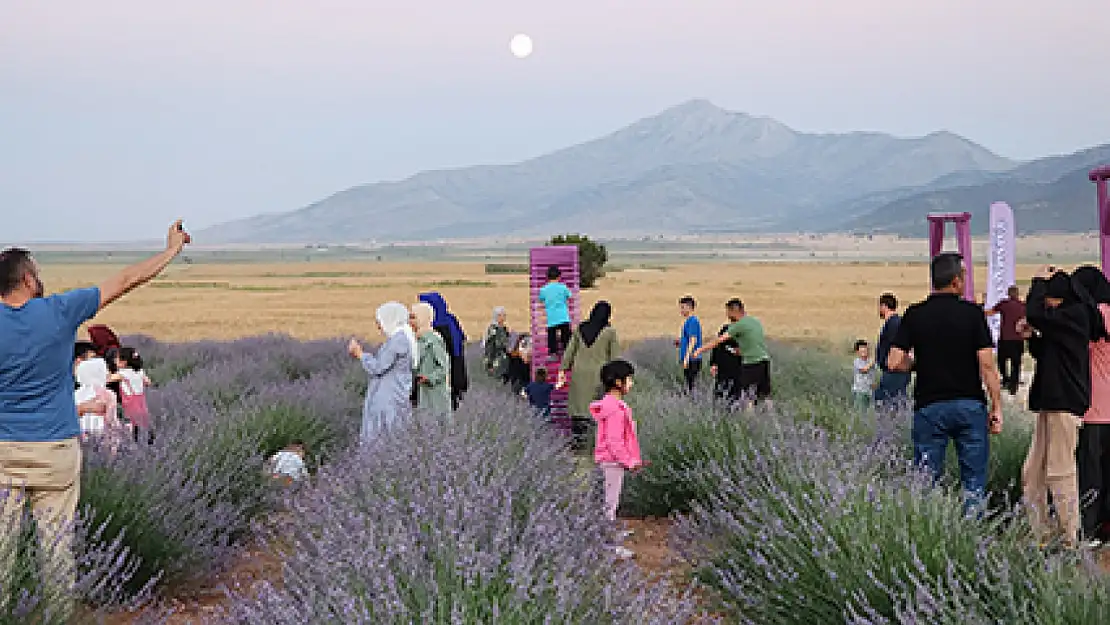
column 521, row 46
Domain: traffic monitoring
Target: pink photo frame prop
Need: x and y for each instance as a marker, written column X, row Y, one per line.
column 937, row 222
column 565, row 257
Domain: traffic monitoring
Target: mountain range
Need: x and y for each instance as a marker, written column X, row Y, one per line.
column 696, row 167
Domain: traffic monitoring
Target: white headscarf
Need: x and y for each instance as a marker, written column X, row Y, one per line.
column 394, row 318
column 92, row 373
column 424, row 314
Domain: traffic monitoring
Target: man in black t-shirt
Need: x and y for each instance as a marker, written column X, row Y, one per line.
column 953, row 359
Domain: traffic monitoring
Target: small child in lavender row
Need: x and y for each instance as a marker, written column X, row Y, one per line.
column 134, row 383
column 288, row 464
column 616, row 448
column 538, row 394
column 863, row 375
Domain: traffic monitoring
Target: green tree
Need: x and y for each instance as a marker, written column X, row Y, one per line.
column 592, row 257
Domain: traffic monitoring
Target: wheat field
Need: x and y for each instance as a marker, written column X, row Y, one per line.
column 825, row 304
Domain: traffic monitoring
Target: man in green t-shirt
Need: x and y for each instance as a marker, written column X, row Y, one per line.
column 747, row 331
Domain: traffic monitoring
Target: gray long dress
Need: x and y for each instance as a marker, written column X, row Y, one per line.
column 387, row 396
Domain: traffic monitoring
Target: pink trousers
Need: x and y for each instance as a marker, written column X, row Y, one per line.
column 614, row 479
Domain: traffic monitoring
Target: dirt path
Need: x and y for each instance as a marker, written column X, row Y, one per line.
column 199, row 603
column 650, row 542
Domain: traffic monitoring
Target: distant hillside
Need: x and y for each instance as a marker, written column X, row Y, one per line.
column 1048, row 195
column 693, row 167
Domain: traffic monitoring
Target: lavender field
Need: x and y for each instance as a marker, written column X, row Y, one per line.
column 806, row 514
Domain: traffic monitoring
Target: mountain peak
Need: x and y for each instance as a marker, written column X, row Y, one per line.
column 696, row 107
column 700, row 121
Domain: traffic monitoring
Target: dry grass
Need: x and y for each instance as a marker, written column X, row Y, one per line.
column 823, row 302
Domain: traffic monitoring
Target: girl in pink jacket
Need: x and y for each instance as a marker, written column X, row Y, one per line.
column 616, row 450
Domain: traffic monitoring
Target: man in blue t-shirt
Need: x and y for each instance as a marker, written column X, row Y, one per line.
column 40, row 452
column 892, row 384
column 689, row 342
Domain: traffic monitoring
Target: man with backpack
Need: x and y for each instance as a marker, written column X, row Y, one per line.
column 40, row 454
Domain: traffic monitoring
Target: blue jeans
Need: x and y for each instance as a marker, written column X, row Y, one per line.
column 964, row 421
column 892, row 385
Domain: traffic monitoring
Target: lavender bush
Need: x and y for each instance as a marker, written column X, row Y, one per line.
column 479, row 521
column 809, row 529
column 805, row 512
column 32, row 590
column 810, row 512
column 182, row 505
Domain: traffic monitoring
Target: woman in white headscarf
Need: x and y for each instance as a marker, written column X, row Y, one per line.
column 96, row 405
column 496, row 345
column 390, row 369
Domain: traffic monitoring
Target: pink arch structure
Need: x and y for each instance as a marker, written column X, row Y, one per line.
column 565, row 257
column 937, row 222
column 1099, row 176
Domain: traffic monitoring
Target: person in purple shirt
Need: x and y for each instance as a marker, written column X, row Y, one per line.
column 40, row 456
column 1011, row 345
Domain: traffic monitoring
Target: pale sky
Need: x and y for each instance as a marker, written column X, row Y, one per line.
column 118, row 115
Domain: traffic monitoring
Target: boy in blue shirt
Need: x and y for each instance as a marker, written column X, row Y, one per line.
column 555, row 297
column 689, row 342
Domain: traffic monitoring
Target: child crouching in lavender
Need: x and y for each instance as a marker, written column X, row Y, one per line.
column 616, row 447
column 538, row 394
column 288, row 465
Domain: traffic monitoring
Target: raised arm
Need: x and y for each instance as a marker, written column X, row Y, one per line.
column 378, row 363
column 720, row 338
column 1047, row 319
column 142, row 272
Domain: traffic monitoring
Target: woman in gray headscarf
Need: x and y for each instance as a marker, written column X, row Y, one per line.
column 496, row 345
column 390, row 370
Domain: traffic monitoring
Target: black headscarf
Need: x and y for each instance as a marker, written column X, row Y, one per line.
column 1089, row 280
column 1059, row 287
column 598, row 321
column 1092, row 288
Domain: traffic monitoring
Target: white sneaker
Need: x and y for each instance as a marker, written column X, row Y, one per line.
column 623, row 534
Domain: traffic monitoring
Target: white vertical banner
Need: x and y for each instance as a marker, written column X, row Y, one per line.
column 1001, row 260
